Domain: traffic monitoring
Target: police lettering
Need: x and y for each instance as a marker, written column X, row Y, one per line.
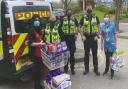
column 29, row 15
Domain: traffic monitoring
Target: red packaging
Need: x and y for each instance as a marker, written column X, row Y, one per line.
column 54, row 48
column 50, row 48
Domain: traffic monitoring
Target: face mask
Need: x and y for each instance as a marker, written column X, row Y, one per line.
column 106, row 20
column 8, row 33
column 36, row 23
column 69, row 15
column 89, row 11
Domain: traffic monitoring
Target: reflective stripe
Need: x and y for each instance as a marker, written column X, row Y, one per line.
column 86, row 26
column 55, row 36
column 19, row 65
column 20, row 49
column 66, row 25
column 47, row 34
column 52, row 35
column 25, row 50
column 1, row 50
column 19, row 42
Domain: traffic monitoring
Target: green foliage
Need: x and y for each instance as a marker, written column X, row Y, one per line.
column 123, row 17
column 127, row 14
column 105, row 9
column 75, row 9
column 102, row 8
column 111, row 11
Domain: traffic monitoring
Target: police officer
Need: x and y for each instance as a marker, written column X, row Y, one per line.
column 68, row 29
column 90, row 25
column 51, row 34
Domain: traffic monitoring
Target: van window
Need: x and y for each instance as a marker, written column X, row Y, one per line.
column 22, row 14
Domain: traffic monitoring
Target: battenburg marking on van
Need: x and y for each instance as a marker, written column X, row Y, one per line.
column 19, row 45
column 20, row 49
column 29, row 15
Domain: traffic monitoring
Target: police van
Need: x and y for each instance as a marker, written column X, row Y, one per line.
column 14, row 17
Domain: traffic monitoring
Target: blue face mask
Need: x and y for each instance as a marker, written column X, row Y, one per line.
column 106, row 20
column 36, row 23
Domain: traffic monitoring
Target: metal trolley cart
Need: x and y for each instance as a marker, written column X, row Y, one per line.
column 53, row 62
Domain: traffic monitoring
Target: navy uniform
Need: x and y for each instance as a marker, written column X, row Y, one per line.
column 89, row 24
column 68, row 33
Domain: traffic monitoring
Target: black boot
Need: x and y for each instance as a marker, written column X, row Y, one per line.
column 97, row 73
column 105, row 72
column 85, row 72
column 66, row 69
column 112, row 73
column 73, row 72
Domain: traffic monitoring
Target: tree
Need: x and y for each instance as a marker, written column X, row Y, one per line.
column 118, row 5
column 127, row 8
column 84, row 3
column 66, row 4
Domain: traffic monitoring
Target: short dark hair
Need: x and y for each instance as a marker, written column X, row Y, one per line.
column 35, row 16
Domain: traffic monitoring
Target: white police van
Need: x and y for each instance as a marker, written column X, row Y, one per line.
column 14, row 17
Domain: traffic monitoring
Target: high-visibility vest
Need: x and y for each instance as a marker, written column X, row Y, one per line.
column 87, row 24
column 69, row 28
column 47, row 34
column 55, row 36
column 52, row 35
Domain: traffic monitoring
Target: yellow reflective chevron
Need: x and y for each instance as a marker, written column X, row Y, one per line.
column 25, row 50
column 18, row 67
column 19, row 42
column 1, row 50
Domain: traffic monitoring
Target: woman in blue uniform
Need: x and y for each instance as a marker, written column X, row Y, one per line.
column 109, row 41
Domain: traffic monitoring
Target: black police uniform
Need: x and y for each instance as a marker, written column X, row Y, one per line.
column 70, row 41
column 90, row 44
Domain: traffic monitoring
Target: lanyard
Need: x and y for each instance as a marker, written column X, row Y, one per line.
column 107, row 37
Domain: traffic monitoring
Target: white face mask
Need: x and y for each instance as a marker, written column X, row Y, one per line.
column 9, row 33
column 106, row 20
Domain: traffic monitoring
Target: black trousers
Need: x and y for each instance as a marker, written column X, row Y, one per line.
column 70, row 41
column 37, row 73
column 108, row 55
column 72, row 62
column 90, row 44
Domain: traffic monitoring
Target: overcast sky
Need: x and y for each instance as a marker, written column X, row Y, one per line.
column 53, row 0
column 57, row 0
